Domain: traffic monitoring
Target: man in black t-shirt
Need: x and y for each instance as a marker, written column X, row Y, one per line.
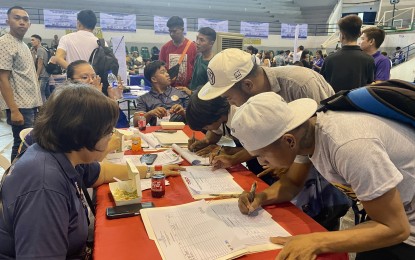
column 349, row 67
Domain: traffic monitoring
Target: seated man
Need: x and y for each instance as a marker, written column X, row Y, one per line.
column 360, row 153
column 162, row 100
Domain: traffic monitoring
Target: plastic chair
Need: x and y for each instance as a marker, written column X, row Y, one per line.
column 4, row 163
column 134, row 48
column 145, row 53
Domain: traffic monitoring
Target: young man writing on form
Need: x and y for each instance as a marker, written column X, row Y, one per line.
column 359, row 153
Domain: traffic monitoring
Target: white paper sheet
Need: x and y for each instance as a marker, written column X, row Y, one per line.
column 202, row 182
column 201, row 230
column 191, row 157
column 178, row 137
column 163, row 158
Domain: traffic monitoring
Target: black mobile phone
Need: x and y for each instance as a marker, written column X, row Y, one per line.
column 126, row 211
column 148, row 158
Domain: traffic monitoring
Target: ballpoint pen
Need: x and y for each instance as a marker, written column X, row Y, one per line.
column 217, row 153
column 251, row 194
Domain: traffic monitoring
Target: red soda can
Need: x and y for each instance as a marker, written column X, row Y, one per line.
column 158, row 186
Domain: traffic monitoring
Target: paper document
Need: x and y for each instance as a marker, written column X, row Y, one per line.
column 163, row 158
column 191, row 157
column 178, row 137
column 150, row 140
column 201, row 230
column 202, row 182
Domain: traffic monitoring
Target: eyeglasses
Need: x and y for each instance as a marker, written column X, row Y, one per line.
column 86, row 77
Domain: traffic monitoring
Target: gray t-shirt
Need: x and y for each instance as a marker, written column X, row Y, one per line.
column 16, row 58
column 294, row 82
column 365, row 156
column 42, row 54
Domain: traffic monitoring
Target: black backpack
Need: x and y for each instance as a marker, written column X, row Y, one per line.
column 102, row 60
column 45, row 62
column 393, row 99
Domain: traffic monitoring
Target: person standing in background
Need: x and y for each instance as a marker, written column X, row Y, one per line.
column 204, row 44
column 80, row 44
column 371, row 39
column 55, row 42
column 41, row 59
column 318, row 61
column 171, row 51
column 349, row 67
column 19, row 88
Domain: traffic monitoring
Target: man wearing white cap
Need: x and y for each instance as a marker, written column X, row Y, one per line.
column 232, row 74
column 360, row 153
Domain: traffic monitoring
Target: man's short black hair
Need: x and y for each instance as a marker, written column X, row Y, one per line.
column 209, row 32
column 200, row 113
column 151, row 68
column 15, row 7
column 37, row 37
column 301, row 47
column 350, row 27
column 76, row 116
column 87, row 18
column 252, row 49
column 175, row 21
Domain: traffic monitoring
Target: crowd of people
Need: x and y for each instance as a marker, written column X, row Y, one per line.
column 267, row 106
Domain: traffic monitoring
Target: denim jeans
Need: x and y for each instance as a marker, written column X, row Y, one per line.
column 28, row 116
column 44, row 88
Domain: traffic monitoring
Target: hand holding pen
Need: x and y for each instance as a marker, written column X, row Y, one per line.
column 212, row 157
column 249, row 201
column 190, row 142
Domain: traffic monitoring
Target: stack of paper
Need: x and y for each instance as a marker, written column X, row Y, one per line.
column 167, row 139
column 214, row 230
column 203, row 183
column 191, row 157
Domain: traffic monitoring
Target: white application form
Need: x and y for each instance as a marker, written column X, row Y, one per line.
column 201, row 181
column 201, row 230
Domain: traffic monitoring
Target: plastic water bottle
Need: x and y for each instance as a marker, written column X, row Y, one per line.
column 112, row 80
column 142, row 122
column 142, row 83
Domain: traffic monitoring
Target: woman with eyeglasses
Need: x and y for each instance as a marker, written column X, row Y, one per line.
column 44, row 211
column 81, row 71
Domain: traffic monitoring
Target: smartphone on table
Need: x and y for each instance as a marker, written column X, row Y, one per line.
column 148, row 158
column 126, row 211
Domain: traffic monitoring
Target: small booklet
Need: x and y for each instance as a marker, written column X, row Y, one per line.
column 191, row 157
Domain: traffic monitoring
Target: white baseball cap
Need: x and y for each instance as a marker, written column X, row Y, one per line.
column 224, row 70
column 266, row 117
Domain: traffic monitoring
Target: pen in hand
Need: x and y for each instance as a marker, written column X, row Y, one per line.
column 213, row 156
column 251, row 194
column 191, row 141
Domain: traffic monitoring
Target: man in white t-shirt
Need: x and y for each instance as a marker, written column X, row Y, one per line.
column 78, row 45
column 360, row 153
